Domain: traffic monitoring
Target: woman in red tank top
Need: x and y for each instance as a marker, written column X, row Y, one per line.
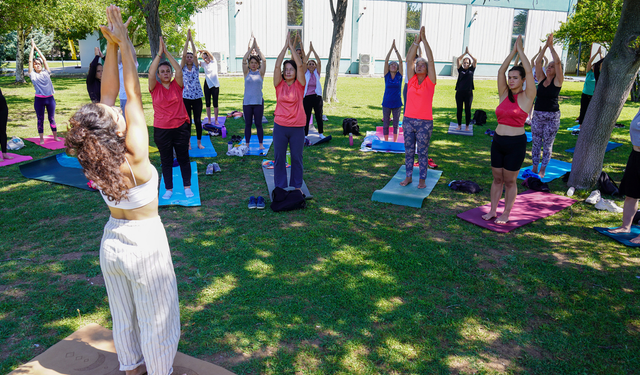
column 510, row 143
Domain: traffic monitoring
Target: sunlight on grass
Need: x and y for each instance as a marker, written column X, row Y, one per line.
column 355, row 357
column 397, row 351
column 258, row 268
column 473, row 330
column 219, row 288
column 379, row 275
column 387, row 305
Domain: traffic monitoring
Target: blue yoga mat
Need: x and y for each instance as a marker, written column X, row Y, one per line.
column 408, row 195
column 207, row 152
column 555, row 169
column 529, row 136
column 623, row 238
column 254, row 146
column 178, row 198
column 577, row 127
column 68, row 161
column 379, row 145
column 610, row 146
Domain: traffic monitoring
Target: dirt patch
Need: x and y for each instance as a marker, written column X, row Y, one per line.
column 68, row 256
column 492, row 258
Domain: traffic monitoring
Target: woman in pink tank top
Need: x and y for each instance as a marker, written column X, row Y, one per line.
column 509, row 144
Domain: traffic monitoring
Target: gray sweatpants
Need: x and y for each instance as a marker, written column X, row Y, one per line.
column 143, row 296
column 293, row 137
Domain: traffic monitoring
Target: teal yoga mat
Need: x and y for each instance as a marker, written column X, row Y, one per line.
column 623, row 238
column 178, row 198
column 408, row 195
column 50, row 170
column 555, row 169
column 610, row 146
column 207, row 152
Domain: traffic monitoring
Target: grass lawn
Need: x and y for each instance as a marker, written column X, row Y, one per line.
column 347, row 286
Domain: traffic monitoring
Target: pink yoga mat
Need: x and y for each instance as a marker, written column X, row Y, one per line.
column 380, row 134
column 48, row 142
column 529, row 207
column 16, row 159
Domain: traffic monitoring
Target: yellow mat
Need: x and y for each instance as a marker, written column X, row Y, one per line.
column 90, row 351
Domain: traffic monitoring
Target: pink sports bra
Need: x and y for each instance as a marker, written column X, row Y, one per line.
column 138, row 196
column 511, row 114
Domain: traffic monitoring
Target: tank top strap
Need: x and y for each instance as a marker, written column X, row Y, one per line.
column 131, row 170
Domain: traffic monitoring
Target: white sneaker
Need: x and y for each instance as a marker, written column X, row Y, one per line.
column 188, row 193
column 167, row 194
column 609, row 205
column 324, row 118
column 594, row 197
column 321, row 136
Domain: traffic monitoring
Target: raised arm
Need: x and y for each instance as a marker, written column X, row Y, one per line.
column 559, row 78
column 540, row 75
column 590, row 62
column 432, row 64
column 411, row 57
column 459, row 61
column 183, row 61
column 516, row 61
column 194, row 52
column 175, row 65
column 45, row 65
column 263, row 60
column 153, row 69
column 315, row 54
column 530, row 91
column 110, row 85
column 474, row 62
column 33, row 46
column 277, row 72
column 302, row 65
column 502, row 80
column 386, row 59
column 400, row 68
column 533, row 59
column 245, row 61
column 93, row 67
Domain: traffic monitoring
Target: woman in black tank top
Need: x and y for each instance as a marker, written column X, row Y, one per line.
column 546, row 115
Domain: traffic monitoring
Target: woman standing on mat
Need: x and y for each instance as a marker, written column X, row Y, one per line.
column 4, row 117
column 253, row 102
column 464, row 87
column 589, row 87
column 509, row 144
column 192, row 93
column 134, row 252
column 171, row 124
column 313, row 92
column 392, row 101
column 418, row 117
column 546, row 115
column 94, row 77
column 289, row 117
column 630, row 185
column 41, row 79
column 211, row 84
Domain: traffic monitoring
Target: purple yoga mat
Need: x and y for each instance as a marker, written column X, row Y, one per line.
column 48, row 142
column 16, row 159
column 529, row 207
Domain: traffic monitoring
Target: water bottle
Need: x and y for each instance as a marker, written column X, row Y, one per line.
column 224, row 131
column 350, row 139
column 571, row 191
column 288, row 158
column 229, row 146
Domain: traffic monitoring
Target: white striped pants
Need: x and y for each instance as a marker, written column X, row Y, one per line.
column 143, row 296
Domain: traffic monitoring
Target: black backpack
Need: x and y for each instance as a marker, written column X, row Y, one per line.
column 607, row 185
column 465, row 186
column 350, row 125
column 287, row 200
column 480, row 117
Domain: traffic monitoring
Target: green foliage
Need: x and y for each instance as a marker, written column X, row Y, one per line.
column 414, row 16
column 295, row 12
column 594, row 21
column 9, row 43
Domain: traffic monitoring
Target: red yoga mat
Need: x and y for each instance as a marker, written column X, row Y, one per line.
column 529, row 207
column 380, row 134
column 48, row 142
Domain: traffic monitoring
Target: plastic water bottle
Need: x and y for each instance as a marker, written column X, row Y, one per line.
column 288, row 158
column 571, row 191
column 350, row 139
column 224, row 131
column 229, row 146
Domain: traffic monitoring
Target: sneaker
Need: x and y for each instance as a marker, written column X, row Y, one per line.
column 253, row 203
column 575, row 132
column 432, row 164
column 188, row 193
column 321, row 136
column 260, row 203
column 209, row 169
column 594, row 197
column 216, row 167
column 167, row 194
column 324, row 118
column 609, row 205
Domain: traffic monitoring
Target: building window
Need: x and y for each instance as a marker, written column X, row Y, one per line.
column 414, row 21
column 295, row 18
column 519, row 25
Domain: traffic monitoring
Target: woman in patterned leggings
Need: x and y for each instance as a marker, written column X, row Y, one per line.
column 546, row 115
column 418, row 117
column 192, row 92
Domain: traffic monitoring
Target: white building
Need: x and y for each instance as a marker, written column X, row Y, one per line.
column 488, row 29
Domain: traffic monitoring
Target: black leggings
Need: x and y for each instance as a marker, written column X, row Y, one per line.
column 4, row 116
column 314, row 102
column 253, row 113
column 168, row 140
column 508, row 152
column 209, row 92
column 195, row 106
column 584, row 104
column 466, row 97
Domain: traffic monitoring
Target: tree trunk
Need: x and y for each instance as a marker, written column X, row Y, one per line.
column 152, row 16
column 330, row 92
column 21, row 41
column 619, row 71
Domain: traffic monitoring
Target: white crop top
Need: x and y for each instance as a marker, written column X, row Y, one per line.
column 138, row 196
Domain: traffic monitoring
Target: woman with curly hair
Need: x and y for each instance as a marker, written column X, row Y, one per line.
column 134, row 253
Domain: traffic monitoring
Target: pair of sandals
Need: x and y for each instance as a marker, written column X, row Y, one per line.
column 236, row 138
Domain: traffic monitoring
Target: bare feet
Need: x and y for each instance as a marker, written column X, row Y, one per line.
column 142, row 369
column 635, row 240
column 459, row 127
column 467, row 128
column 189, row 145
column 386, row 138
column 200, row 146
column 261, row 147
column 6, row 157
column 534, row 169
column 56, row 139
column 542, row 172
column 217, row 122
column 503, row 219
column 406, row 181
column 620, row 230
column 41, row 140
column 489, row 216
column 422, row 184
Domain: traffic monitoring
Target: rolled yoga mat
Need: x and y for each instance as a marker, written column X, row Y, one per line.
column 50, row 170
column 314, row 137
column 268, row 177
column 16, row 159
column 408, row 195
column 254, row 145
column 178, row 198
column 207, row 152
column 529, row 207
column 610, row 146
column 383, row 146
column 90, row 350
column 49, row 143
column 623, row 238
column 555, row 169
column 453, row 129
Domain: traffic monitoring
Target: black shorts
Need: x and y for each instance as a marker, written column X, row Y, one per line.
column 209, row 92
column 508, row 152
column 630, row 185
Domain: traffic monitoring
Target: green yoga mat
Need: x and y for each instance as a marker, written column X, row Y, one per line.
column 408, row 195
